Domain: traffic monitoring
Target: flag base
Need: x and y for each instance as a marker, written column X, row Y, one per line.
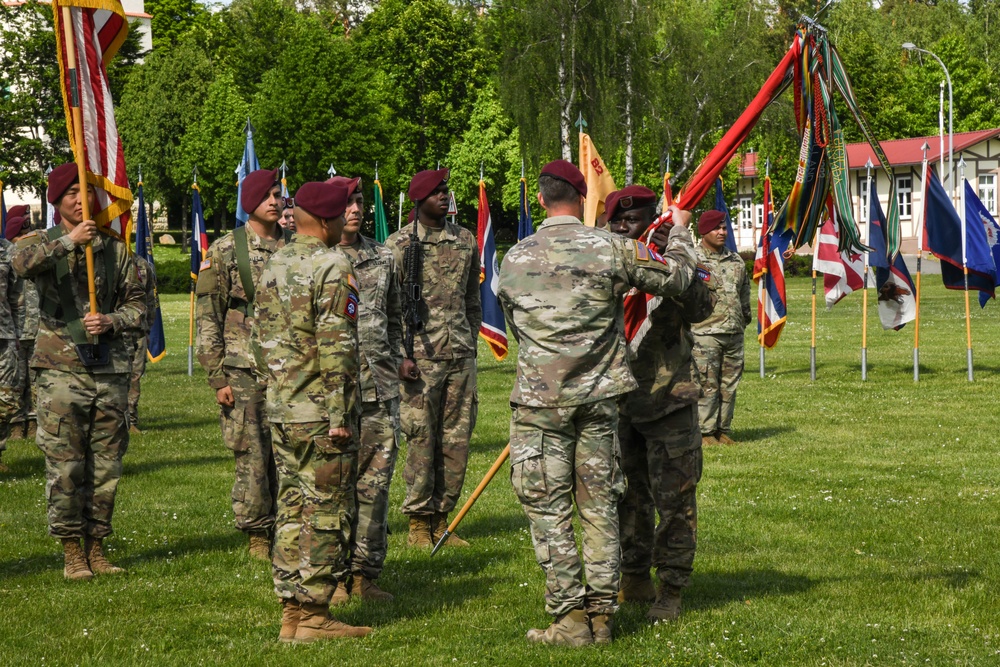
column 864, row 365
column 916, row 365
column 968, row 356
column 95, row 354
column 812, row 364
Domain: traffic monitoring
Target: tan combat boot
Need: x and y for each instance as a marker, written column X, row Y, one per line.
column 667, row 606
column 316, row 623
column 708, row 440
column 441, row 525
column 571, row 629
column 636, row 588
column 98, row 562
column 76, row 567
column 342, row 594
column 420, row 531
column 260, row 545
column 724, row 439
column 371, row 591
column 602, row 625
column 290, row 614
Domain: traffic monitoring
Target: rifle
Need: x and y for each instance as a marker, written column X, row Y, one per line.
column 413, row 268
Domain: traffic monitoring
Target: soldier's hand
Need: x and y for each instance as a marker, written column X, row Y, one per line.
column 224, row 397
column 340, row 436
column 408, row 371
column 660, row 237
column 84, row 233
column 680, row 216
column 96, row 323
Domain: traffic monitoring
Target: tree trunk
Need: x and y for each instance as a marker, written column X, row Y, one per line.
column 629, row 159
column 565, row 104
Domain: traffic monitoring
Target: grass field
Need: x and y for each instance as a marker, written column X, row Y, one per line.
column 856, row 524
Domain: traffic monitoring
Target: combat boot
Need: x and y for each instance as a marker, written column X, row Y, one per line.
column 708, row 440
column 290, row 614
column 571, row 629
column 667, row 606
column 602, row 626
column 636, row 588
column 371, row 591
column 342, row 594
column 260, row 545
column 316, row 623
column 98, row 562
column 724, row 439
column 76, row 567
column 420, row 531
column 441, row 525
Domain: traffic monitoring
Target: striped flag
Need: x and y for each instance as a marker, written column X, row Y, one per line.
column 493, row 329
column 769, row 272
column 525, row 227
column 842, row 271
column 156, row 345
column 97, row 29
column 248, row 165
column 199, row 237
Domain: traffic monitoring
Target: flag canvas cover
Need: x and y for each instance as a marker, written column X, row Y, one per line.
column 493, row 329
column 897, row 303
column 769, row 271
column 156, row 344
column 381, row 223
column 248, row 165
column 525, row 227
column 98, row 29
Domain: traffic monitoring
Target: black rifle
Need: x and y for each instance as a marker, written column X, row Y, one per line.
column 413, row 269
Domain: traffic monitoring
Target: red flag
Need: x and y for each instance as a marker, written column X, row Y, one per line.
column 843, row 272
column 98, row 28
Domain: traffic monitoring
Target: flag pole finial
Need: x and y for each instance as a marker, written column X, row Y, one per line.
column 331, row 172
column 522, row 167
column 480, row 170
column 376, row 170
column 140, row 174
column 869, row 165
column 195, row 175
column 767, row 168
column 580, row 122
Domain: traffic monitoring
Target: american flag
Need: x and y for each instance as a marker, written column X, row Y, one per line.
column 87, row 38
column 843, row 272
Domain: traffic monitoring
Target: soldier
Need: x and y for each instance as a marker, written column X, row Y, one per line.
column 82, row 386
column 288, row 214
column 26, row 314
column 225, row 291
column 438, row 394
column 9, row 382
column 380, row 331
column 658, row 432
column 718, row 339
column 306, row 340
column 148, row 281
column 561, row 290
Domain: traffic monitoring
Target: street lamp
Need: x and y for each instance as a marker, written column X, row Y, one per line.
column 910, row 46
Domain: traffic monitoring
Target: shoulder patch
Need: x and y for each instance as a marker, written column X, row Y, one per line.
column 351, row 305
column 704, row 273
column 656, row 257
column 206, row 264
column 353, row 282
column 27, row 238
column 641, row 251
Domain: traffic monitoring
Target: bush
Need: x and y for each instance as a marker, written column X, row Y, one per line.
column 795, row 265
column 173, row 276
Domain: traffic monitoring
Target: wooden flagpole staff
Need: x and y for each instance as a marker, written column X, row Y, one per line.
column 79, row 150
column 504, row 455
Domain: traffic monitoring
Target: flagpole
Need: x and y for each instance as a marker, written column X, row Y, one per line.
column 965, row 273
column 760, row 285
column 399, row 224
column 195, row 238
column 864, row 296
column 920, row 251
column 79, row 148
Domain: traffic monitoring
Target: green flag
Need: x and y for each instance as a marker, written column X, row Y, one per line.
column 381, row 224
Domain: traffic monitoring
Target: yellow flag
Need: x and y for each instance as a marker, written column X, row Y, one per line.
column 599, row 181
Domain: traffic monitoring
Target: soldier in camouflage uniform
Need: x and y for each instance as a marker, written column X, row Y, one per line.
column 9, row 385
column 380, row 331
column 659, row 435
column 148, row 281
column 82, row 419
column 438, row 395
column 561, row 290
column 306, row 341
column 225, row 313
column 718, row 339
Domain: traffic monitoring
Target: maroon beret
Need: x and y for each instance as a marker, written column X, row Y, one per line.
column 19, row 211
column 13, row 228
column 709, row 220
column 566, row 171
column 626, row 199
column 424, row 183
column 350, row 183
column 256, row 185
column 324, row 200
column 60, row 179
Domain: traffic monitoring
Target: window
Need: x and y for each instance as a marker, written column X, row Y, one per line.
column 988, row 192
column 758, row 219
column 863, row 198
column 746, row 212
column 904, row 192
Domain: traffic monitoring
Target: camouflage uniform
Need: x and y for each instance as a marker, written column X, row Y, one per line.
column 661, row 444
column 27, row 318
column 148, row 281
column 9, row 367
column 305, row 340
column 82, row 421
column 224, row 322
column 561, row 290
column 438, row 411
column 718, row 340
column 380, row 321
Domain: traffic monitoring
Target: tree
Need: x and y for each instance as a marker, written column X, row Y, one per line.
column 172, row 19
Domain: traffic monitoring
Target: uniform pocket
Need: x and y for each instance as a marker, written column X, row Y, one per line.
column 327, row 545
column 527, row 465
column 619, row 484
column 234, row 428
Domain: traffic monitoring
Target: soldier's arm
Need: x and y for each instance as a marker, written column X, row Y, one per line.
column 35, row 254
column 745, row 297
column 212, row 292
column 473, row 301
column 336, row 341
column 667, row 275
column 131, row 302
column 394, row 315
column 8, row 306
column 697, row 302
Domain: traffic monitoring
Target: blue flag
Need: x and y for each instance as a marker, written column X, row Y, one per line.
column 897, row 302
column 493, row 328
column 720, row 205
column 525, row 227
column 943, row 238
column 156, row 345
column 199, row 237
column 248, row 165
column 975, row 212
column 3, row 214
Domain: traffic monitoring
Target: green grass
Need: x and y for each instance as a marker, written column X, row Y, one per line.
column 857, row 524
